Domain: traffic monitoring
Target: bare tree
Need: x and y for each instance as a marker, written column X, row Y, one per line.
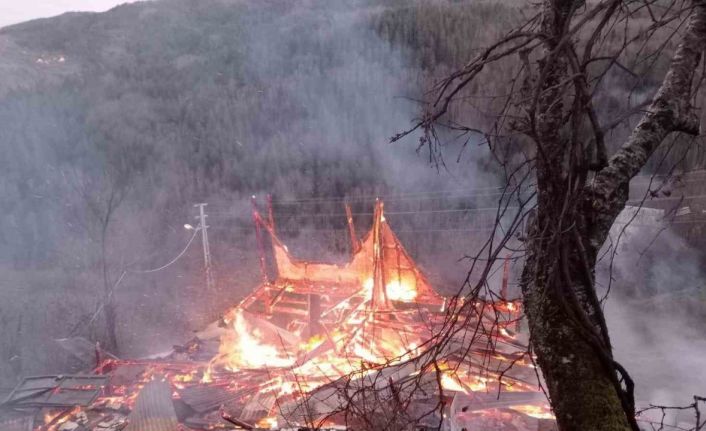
column 11, row 345
column 551, row 113
column 100, row 198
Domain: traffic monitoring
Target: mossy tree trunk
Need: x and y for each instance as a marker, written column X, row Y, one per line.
column 576, row 209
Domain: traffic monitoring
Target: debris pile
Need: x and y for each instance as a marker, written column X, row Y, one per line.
column 320, row 346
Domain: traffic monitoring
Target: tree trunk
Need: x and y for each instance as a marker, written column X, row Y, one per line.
column 108, row 295
column 574, row 217
column 581, row 387
column 111, row 326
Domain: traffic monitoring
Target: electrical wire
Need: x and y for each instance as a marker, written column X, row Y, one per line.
column 220, row 214
column 342, row 214
column 424, row 195
column 145, row 271
column 100, row 308
column 133, row 271
column 410, row 195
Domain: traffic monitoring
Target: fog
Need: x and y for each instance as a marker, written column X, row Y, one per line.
column 654, row 312
column 115, row 124
column 134, row 115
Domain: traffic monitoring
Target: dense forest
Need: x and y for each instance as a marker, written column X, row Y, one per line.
column 114, row 124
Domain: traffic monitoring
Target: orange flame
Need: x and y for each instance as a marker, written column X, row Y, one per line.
column 245, row 348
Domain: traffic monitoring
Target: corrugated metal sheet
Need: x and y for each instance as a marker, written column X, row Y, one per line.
column 258, row 407
column 16, row 422
column 57, row 391
column 203, row 398
column 154, row 410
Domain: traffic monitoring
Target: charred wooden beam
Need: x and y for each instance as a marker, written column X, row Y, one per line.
column 314, row 314
column 237, row 422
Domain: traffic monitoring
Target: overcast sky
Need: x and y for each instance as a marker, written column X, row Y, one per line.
column 14, row 11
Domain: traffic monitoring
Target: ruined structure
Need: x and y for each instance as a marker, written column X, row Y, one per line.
column 347, row 346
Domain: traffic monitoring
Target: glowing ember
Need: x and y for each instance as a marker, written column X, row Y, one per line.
column 451, row 383
column 206, row 378
column 396, row 290
column 312, row 343
column 268, row 423
column 368, row 286
column 49, row 416
column 366, row 353
column 400, row 291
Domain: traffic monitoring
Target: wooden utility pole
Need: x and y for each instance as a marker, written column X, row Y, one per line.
column 210, row 284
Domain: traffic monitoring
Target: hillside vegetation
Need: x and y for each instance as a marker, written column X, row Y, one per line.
column 113, row 124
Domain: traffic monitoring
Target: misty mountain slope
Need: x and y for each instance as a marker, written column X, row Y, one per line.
column 171, row 102
column 24, row 69
column 150, row 107
column 187, row 99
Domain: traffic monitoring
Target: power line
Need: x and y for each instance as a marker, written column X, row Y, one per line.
column 410, row 195
column 133, row 271
column 304, row 230
column 342, row 214
column 429, row 195
column 420, row 194
column 145, row 271
column 332, row 230
column 457, row 192
column 667, row 198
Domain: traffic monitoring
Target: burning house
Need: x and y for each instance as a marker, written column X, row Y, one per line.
column 364, row 345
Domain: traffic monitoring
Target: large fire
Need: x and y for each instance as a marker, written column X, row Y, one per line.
column 244, row 347
column 358, row 322
column 324, row 345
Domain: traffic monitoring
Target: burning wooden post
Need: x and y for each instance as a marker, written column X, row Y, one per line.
column 380, row 300
column 270, row 213
column 506, row 278
column 261, row 249
column 314, row 314
column 355, row 242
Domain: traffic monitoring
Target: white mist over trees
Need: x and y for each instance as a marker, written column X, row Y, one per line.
column 148, row 108
column 114, row 124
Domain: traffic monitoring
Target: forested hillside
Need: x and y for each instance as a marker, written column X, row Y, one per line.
column 113, row 124
column 184, row 100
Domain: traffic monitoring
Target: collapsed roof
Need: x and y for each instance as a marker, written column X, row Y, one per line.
column 304, row 347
